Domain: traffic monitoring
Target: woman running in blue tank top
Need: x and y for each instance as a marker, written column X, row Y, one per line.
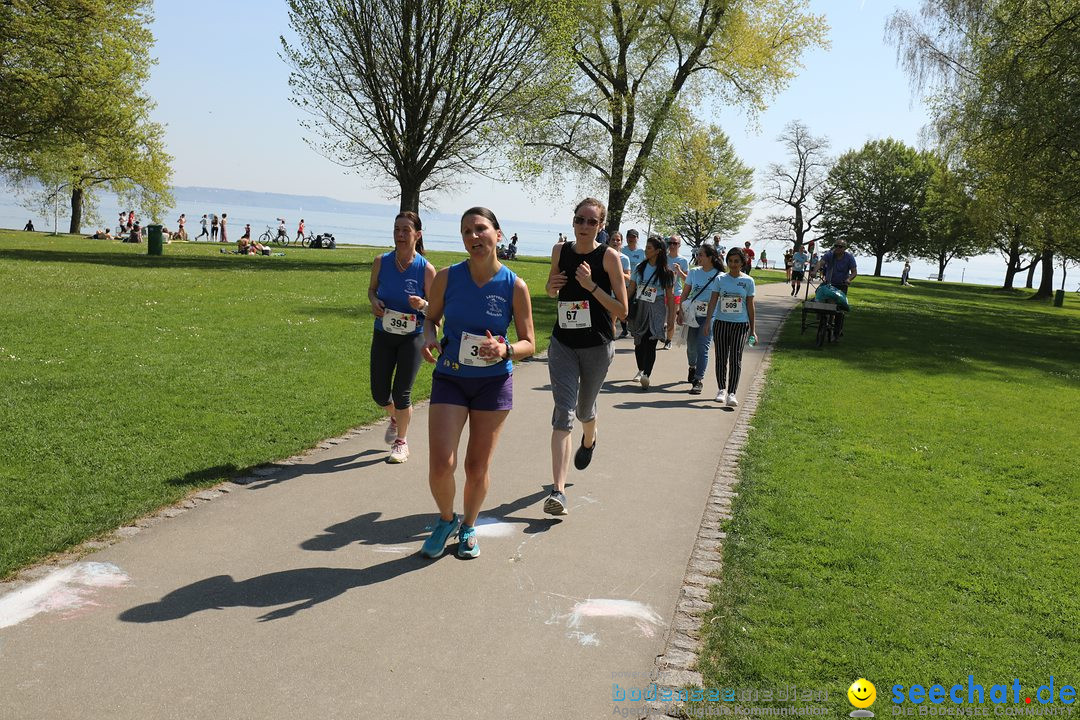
column 400, row 281
column 473, row 378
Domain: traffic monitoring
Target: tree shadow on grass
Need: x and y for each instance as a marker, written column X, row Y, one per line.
column 972, row 333
column 300, row 589
column 220, row 263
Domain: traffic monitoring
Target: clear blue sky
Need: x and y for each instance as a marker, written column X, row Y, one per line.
column 223, row 92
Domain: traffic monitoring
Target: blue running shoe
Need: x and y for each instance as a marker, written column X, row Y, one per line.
column 436, row 543
column 467, row 545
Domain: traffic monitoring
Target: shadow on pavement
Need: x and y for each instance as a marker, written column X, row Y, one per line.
column 369, row 529
column 301, row 589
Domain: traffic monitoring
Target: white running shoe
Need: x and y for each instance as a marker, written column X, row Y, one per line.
column 391, row 432
column 644, row 381
column 731, row 401
column 637, row 377
column 721, row 396
column 399, row 452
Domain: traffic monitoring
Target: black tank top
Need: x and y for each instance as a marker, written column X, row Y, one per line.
column 601, row 331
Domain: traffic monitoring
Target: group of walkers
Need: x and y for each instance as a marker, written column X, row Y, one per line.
column 595, row 284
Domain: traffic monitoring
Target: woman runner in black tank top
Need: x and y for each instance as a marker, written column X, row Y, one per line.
column 601, row 330
column 582, row 276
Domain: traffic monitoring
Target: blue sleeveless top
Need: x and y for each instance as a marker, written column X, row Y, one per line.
column 473, row 309
column 395, row 287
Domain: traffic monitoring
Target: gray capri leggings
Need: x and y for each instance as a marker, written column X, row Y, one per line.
column 390, row 352
column 577, row 374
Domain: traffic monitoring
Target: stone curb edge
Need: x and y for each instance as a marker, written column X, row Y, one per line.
column 675, row 667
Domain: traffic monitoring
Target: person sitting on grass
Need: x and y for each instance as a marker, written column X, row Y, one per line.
column 135, row 236
column 243, row 245
column 29, row 226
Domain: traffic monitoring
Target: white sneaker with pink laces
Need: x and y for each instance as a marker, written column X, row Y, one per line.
column 399, row 451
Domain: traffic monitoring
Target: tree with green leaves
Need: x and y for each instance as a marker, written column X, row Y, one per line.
column 424, row 90
column 635, row 61
column 950, row 232
column 798, row 186
column 1001, row 81
column 78, row 108
column 875, row 200
column 698, row 187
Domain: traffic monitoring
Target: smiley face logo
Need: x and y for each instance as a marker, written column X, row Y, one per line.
column 862, row 693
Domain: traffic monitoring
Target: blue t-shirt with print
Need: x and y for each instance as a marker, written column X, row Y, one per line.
column 696, row 283
column 735, row 290
column 474, row 310
column 636, row 256
column 798, row 261
column 395, row 287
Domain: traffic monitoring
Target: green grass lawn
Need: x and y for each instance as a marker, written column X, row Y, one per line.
column 130, row 380
column 908, row 502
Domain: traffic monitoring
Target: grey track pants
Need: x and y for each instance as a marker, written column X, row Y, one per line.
column 576, row 374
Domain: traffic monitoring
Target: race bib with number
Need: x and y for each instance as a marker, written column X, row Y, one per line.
column 470, row 351
column 701, row 307
column 574, row 315
column 398, row 323
column 731, row 304
column 647, row 294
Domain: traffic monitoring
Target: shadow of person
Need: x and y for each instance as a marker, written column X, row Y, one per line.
column 298, row 589
column 370, row 529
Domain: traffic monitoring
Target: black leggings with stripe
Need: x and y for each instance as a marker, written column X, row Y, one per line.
column 729, row 338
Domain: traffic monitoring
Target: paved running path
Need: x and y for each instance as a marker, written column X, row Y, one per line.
column 303, row 595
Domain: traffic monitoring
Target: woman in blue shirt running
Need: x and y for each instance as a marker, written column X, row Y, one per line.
column 473, row 378
column 400, row 282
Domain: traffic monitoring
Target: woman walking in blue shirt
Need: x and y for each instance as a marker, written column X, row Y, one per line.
column 400, row 280
column 473, row 379
column 732, row 309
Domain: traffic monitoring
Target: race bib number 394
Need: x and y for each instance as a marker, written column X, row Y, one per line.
column 731, row 304
column 398, row 323
column 574, row 315
column 470, row 351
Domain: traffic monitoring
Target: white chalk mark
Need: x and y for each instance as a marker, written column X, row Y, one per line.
column 64, row 590
column 385, row 549
column 492, row 527
column 643, row 583
column 586, row 639
column 645, row 619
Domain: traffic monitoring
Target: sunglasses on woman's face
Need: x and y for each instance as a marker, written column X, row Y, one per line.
column 591, row 222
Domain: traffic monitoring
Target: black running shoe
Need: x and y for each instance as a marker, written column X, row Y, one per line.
column 690, row 373
column 555, row 503
column 583, row 456
column 696, row 389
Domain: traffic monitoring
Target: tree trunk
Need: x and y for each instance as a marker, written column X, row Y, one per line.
column 76, row 211
column 877, row 267
column 1014, row 260
column 1031, row 271
column 1046, row 285
column 942, row 263
column 615, row 208
column 410, row 195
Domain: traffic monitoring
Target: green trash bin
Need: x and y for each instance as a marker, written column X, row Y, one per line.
column 1059, row 298
column 154, row 240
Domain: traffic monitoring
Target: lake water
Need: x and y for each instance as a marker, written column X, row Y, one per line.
column 441, row 233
